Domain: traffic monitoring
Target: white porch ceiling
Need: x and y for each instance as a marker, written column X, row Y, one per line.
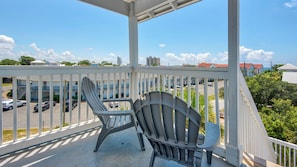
column 144, row 9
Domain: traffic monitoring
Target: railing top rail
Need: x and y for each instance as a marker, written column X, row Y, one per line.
column 284, row 143
column 220, row 73
column 6, row 71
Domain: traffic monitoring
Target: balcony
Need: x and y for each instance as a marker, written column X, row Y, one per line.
column 68, row 138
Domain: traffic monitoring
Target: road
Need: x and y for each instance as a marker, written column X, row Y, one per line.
column 34, row 116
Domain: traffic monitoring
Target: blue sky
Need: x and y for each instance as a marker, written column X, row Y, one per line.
column 70, row 30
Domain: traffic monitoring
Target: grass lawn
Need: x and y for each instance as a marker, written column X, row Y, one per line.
column 8, row 134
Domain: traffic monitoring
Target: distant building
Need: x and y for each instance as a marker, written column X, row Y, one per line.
column 119, row 61
column 248, row 69
column 289, row 73
column 38, row 62
column 44, row 63
column 152, row 61
column 259, row 68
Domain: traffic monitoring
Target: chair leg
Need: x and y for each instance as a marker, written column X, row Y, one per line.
column 101, row 137
column 152, row 159
column 209, row 156
column 141, row 142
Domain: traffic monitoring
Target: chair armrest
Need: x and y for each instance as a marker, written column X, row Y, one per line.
column 121, row 112
column 212, row 136
column 120, row 99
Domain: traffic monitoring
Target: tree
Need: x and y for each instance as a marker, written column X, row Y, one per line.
column 8, row 62
column 268, row 86
column 276, row 102
column 280, row 120
column 67, row 63
column 84, row 63
column 104, row 63
column 26, row 60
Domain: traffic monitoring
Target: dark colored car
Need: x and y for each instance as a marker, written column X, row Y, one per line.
column 74, row 104
column 45, row 106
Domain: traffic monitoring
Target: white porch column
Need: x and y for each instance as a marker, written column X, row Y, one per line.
column 233, row 149
column 133, row 50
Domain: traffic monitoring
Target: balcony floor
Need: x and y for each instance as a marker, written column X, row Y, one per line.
column 119, row 149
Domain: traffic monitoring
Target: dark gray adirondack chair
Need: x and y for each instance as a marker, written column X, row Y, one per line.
column 171, row 127
column 113, row 121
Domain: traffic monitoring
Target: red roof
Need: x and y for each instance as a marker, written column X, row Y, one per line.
column 258, row 66
column 246, row 65
column 242, row 65
column 204, row 64
column 221, row 65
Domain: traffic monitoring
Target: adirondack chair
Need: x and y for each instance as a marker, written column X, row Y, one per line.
column 113, row 121
column 171, row 127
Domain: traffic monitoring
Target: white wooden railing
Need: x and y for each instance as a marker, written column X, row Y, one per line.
column 115, row 82
column 45, row 83
column 286, row 152
column 253, row 136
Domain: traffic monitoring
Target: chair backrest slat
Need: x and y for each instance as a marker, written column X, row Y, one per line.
column 170, row 125
column 90, row 92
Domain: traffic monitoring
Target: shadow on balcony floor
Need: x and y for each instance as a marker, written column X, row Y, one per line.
column 119, row 149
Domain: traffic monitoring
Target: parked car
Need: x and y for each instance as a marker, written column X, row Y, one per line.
column 21, row 103
column 74, row 104
column 113, row 104
column 8, row 104
column 45, row 106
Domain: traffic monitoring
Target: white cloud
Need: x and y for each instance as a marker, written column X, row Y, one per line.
column 223, row 57
column 6, row 47
column 291, row 4
column 162, row 45
column 112, row 57
column 260, row 55
column 186, row 58
column 249, row 55
column 51, row 56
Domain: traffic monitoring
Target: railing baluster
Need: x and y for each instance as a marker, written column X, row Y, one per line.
column 205, row 99
column 189, row 90
column 61, row 100
column 148, row 83
column 28, row 100
column 70, row 100
column 182, row 90
column 295, row 158
column 108, row 86
column 40, row 100
column 79, row 99
column 51, row 102
column 197, row 94
column 226, row 111
column 174, row 86
column 120, row 84
column 216, row 93
column 280, row 154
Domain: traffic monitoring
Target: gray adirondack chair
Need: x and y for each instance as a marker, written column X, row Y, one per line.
column 171, row 127
column 113, row 121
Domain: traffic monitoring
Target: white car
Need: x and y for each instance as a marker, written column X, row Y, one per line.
column 21, row 103
column 113, row 104
column 8, row 104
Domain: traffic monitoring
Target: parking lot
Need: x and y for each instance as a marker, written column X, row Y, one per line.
column 22, row 116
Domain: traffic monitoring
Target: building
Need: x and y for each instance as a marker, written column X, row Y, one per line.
column 248, row 69
column 152, row 61
column 119, row 61
column 289, row 73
